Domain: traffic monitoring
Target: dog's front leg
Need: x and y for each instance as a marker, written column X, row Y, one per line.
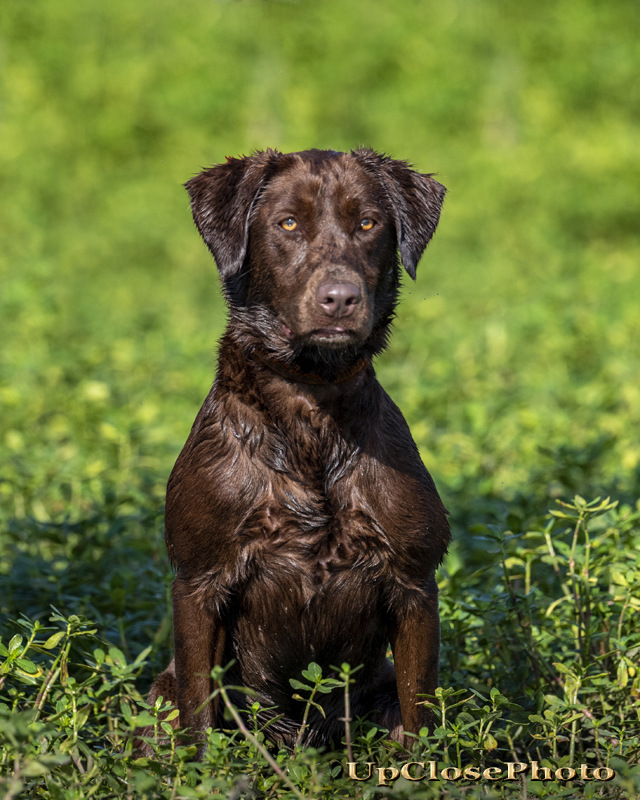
column 199, row 639
column 415, row 642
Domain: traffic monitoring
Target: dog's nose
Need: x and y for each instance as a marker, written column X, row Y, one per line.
column 338, row 299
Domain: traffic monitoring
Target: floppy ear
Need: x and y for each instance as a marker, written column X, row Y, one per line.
column 221, row 201
column 415, row 200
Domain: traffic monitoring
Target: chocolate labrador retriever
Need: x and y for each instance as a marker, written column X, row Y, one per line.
column 302, row 522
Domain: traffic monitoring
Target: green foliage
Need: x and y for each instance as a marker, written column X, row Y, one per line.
column 515, row 359
column 543, row 643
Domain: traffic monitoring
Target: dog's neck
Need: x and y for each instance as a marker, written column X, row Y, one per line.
column 296, row 375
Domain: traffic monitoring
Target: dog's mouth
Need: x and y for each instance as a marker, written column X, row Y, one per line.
column 334, row 337
column 329, row 337
column 331, row 333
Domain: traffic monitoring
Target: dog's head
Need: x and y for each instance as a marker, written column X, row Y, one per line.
column 307, row 244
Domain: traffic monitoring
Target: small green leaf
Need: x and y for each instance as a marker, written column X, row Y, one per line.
column 313, row 672
column 142, row 720
column 117, row 657
column 27, row 666
column 319, row 707
column 300, row 686
column 622, row 677
column 490, row 742
column 34, row 769
column 81, row 717
column 92, row 632
column 142, row 655
column 552, row 700
column 126, row 711
column 618, row 578
column 15, row 644
column 53, row 640
column 62, row 704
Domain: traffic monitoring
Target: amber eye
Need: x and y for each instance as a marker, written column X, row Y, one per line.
column 366, row 224
column 289, row 224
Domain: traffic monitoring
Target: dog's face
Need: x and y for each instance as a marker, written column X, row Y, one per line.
column 322, row 252
column 309, row 241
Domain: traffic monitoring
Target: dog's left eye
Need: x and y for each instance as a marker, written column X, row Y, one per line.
column 366, row 224
column 289, row 224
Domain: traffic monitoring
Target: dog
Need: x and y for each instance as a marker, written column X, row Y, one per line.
column 300, row 518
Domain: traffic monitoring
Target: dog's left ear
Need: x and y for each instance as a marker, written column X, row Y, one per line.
column 415, row 199
column 221, row 201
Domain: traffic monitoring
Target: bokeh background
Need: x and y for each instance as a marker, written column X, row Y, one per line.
column 515, row 355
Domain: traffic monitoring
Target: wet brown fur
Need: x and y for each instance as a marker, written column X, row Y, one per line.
column 302, row 522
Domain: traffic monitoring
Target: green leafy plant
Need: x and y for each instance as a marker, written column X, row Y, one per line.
column 514, row 359
column 553, row 612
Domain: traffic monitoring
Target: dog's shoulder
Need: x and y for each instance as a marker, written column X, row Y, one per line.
column 404, row 496
column 216, row 478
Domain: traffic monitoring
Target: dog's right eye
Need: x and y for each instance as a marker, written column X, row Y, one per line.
column 289, row 224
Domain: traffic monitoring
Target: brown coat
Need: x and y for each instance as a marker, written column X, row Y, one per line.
column 302, row 522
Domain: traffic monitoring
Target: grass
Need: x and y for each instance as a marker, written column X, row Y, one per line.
column 514, row 358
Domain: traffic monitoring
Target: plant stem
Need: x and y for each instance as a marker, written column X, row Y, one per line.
column 248, row 735
column 304, row 722
column 347, row 718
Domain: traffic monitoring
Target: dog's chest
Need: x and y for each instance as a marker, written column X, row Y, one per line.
column 311, row 536
column 300, row 500
column 315, row 512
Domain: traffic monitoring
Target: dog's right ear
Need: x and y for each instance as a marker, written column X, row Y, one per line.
column 415, row 200
column 221, row 201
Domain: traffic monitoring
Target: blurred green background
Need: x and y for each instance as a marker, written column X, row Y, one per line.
column 515, row 355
